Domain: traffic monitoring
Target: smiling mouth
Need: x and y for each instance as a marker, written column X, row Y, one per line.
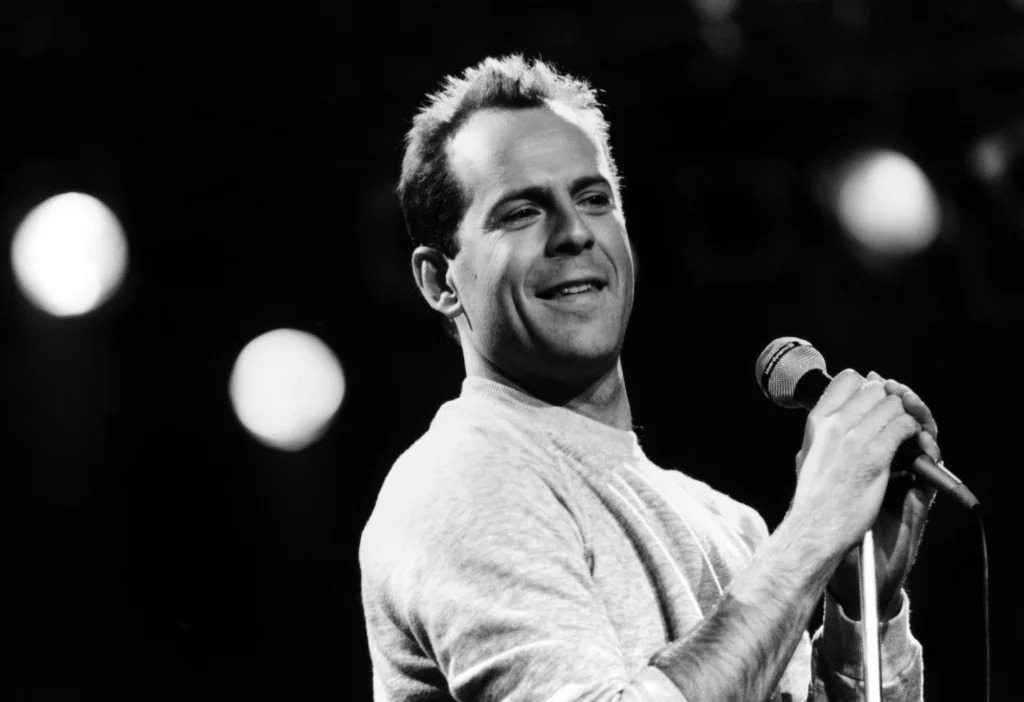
column 571, row 290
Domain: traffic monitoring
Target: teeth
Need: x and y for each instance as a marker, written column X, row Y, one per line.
column 573, row 289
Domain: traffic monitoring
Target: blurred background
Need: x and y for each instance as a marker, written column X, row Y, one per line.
column 212, row 348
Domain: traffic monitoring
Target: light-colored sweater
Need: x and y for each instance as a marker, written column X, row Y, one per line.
column 522, row 551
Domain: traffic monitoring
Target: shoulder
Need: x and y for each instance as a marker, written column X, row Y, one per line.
column 466, row 472
column 465, row 500
column 469, row 447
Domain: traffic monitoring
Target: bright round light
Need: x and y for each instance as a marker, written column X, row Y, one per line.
column 887, row 205
column 286, row 386
column 69, row 254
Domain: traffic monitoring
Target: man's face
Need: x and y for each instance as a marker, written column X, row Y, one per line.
column 542, row 215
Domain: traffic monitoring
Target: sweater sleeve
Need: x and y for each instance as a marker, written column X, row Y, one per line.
column 474, row 577
column 828, row 669
column 836, row 663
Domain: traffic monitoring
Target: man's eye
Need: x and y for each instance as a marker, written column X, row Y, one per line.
column 597, row 200
column 520, row 215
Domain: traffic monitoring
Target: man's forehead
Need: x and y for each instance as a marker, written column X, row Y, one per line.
column 497, row 145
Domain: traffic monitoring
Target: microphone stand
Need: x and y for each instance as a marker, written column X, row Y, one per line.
column 872, row 662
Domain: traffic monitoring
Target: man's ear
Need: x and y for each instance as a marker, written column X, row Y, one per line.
column 433, row 277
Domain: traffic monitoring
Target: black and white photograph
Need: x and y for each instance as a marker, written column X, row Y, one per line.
column 512, row 352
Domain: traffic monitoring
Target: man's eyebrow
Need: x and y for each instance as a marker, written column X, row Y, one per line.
column 540, row 193
column 587, row 181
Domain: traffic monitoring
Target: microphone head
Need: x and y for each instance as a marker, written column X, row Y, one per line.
column 781, row 366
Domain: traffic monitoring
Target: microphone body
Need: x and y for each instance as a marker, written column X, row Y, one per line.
column 908, row 457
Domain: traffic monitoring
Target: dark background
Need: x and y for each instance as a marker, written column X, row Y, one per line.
column 159, row 553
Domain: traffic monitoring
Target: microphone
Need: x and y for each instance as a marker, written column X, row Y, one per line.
column 792, row 373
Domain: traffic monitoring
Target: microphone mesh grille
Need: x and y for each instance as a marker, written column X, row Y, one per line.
column 781, row 365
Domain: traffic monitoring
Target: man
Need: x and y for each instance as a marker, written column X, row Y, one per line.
column 524, row 548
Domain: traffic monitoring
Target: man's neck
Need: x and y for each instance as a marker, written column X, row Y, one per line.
column 603, row 400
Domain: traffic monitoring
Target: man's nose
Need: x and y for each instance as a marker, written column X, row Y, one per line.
column 571, row 234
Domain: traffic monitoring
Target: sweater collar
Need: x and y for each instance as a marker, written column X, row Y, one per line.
column 572, row 430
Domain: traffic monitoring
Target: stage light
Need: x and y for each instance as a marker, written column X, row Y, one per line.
column 886, row 204
column 69, row 254
column 715, row 10
column 990, row 157
column 286, row 387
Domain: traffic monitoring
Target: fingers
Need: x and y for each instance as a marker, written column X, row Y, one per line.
column 929, row 447
column 842, row 387
column 921, row 498
column 887, row 421
column 899, row 429
column 919, row 410
column 915, row 407
column 908, row 500
column 863, row 401
column 900, row 485
column 914, row 404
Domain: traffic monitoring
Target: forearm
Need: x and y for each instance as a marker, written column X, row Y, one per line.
column 742, row 649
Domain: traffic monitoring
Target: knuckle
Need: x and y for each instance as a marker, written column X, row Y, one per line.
column 818, row 422
column 829, row 427
column 907, row 425
column 894, row 402
column 854, row 436
column 862, row 429
column 874, row 390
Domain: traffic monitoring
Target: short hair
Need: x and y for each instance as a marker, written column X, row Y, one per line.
column 432, row 199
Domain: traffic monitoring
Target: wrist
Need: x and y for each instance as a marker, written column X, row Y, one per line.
column 799, row 549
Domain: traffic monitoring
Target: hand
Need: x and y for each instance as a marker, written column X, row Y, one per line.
column 900, row 524
column 843, row 468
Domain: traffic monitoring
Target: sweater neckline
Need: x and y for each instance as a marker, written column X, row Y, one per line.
column 584, row 434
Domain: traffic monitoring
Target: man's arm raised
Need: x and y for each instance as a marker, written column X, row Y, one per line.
column 742, row 649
